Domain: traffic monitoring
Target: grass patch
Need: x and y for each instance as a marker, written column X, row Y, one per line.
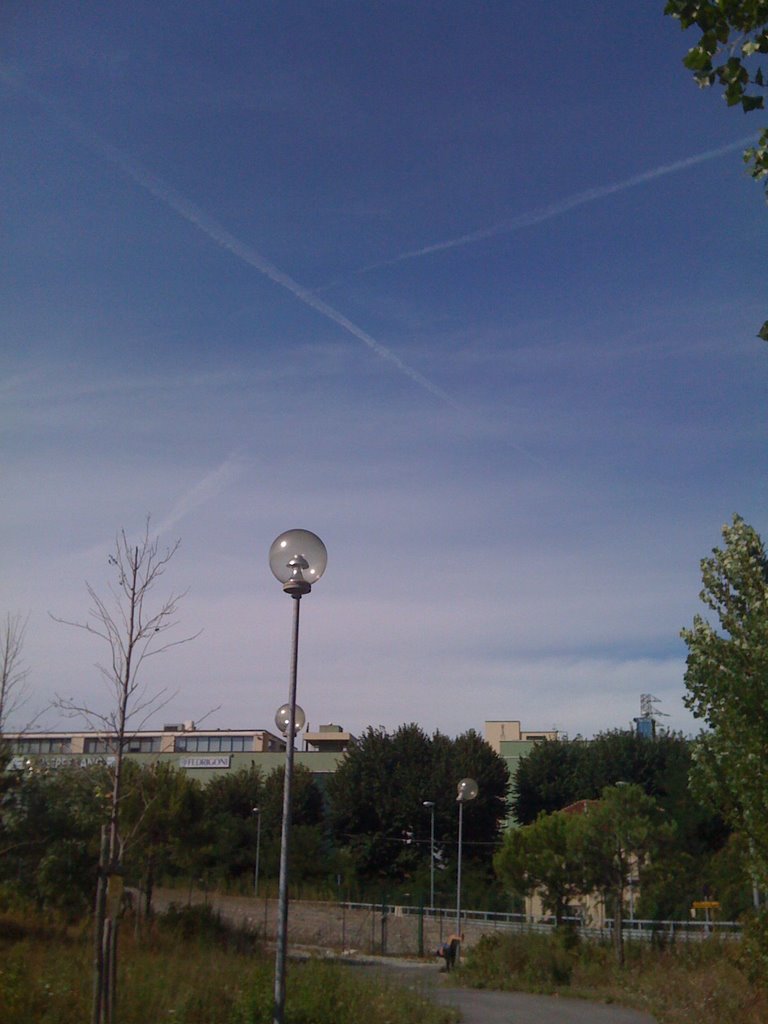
column 191, row 969
column 689, row 983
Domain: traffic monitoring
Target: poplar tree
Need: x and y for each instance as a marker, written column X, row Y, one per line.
column 727, row 683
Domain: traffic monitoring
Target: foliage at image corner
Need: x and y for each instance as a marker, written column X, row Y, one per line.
column 732, row 53
column 753, row 957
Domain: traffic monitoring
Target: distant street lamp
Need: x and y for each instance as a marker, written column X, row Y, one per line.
column 257, row 812
column 431, row 805
column 283, row 719
column 298, row 559
column 466, row 791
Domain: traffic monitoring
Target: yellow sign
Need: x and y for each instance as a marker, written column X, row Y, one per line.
column 705, row 905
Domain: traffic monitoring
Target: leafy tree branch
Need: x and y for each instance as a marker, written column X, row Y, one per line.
column 732, row 52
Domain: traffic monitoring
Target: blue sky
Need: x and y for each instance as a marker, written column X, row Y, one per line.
column 470, row 292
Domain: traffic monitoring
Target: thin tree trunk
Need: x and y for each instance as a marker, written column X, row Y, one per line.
column 149, row 886
column 618, row 922
column 112, row 954
column 99, row 919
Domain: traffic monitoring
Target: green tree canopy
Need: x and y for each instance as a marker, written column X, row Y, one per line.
column 560, row 772
column 49, row 833
column 549, row 778
column 309, row 854
column 617, row 837
column 556, row 774
column 727, row 682
column 229, row 800
column 377, row 796
column 162, row 823
column 540, row 858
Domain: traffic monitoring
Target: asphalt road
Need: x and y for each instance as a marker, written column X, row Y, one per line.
column 479, row 1006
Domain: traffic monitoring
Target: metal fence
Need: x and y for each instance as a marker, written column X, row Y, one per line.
column 485, row 920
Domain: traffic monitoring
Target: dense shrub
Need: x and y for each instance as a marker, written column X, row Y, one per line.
column 537, row 963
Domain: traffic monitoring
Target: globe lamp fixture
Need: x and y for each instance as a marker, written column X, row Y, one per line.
column 298, row 559
column 466, row 790
column 283, row 719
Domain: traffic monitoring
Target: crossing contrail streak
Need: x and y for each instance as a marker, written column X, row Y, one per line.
column 200, row 493
column 217, row 233
column 545, row 213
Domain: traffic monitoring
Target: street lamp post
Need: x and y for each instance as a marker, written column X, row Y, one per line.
column 465, row 791
column 257, row 812
column 298, row 559
column 431, row 805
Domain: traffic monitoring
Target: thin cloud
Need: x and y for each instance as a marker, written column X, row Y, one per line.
column 217, row 233
column 545, row 213
column 208, row 487
column 205, row 490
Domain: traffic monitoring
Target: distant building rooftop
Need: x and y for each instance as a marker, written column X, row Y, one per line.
column 510, row 731
column 329, row 738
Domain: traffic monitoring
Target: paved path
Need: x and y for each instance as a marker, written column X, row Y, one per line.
column 479, row 1006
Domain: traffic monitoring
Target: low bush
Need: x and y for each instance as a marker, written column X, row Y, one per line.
column 535, row 963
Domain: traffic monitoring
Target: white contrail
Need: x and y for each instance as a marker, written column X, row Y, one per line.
column 207, row 488
column 219, row 234
column 544, row 213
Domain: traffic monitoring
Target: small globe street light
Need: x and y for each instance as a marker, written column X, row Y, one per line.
column 465, row 791
column 283, row 719
column 297, row 559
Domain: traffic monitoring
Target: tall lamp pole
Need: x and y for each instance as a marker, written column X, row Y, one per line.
column 431, row 805
column 466, row 791
column 298, row 559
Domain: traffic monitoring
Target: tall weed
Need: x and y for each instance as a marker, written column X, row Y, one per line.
column 688, row 983
column 191, row 969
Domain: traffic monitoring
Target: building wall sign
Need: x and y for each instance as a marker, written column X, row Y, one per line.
column 60, row 761
column 205, row 762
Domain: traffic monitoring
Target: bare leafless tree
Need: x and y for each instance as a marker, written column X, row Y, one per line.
column 133, row 628
column 13, row 672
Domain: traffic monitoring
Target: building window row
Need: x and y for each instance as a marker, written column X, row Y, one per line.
column 136, row 745
column 44, row 746
column 212, row 744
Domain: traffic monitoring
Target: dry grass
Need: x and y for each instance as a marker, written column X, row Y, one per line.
column 696, row 983
column 189, row 973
